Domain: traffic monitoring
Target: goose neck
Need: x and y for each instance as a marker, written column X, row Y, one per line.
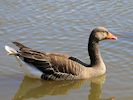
column 94, row 53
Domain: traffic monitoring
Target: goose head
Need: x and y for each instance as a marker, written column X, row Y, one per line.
column 101, row 33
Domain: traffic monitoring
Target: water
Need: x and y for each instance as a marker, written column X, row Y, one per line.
column 64, row 26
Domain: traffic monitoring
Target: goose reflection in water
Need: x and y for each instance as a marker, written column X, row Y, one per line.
column 31, row 88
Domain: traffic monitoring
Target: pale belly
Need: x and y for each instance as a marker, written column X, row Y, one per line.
column 30, row 70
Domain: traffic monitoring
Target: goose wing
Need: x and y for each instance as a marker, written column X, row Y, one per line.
column 27, row 52
column 52, row 65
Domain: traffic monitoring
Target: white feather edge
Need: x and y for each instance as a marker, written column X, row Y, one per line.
column 10, row 50
column 29, row 70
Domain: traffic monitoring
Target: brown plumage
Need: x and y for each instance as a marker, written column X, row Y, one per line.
column 55, row 66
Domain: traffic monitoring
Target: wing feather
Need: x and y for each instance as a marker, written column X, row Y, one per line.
column 50, row 63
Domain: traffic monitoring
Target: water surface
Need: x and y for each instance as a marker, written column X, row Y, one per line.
column 64, row 26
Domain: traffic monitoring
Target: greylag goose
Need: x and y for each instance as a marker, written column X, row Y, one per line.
column 52, row 66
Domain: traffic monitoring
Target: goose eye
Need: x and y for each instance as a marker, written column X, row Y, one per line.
column 107, row 32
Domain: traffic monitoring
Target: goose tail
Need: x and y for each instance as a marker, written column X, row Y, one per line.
column 11, row 51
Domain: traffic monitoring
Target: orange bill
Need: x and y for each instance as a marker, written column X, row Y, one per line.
column 111, row 36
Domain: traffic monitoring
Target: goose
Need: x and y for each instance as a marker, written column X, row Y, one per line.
column 56, row 66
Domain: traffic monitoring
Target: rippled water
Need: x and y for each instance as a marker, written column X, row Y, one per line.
column 64, row 26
